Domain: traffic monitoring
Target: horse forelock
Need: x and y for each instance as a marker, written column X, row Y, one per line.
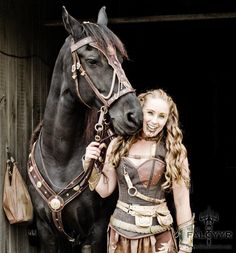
column 104, row 37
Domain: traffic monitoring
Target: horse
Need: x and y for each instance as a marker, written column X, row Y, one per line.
column 87, row 81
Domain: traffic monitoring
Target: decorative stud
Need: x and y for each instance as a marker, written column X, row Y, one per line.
column 39, row 184
column 55, row 203
column 77, row 188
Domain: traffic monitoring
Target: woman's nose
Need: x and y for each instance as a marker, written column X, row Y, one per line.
column 154, row 120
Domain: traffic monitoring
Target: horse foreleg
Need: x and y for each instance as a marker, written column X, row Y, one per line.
column 99, row 240
column 50, row 242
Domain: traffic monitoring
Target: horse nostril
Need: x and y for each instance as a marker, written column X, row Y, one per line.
column 132, row 117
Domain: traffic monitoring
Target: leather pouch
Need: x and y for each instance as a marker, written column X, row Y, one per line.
column 17, row 203
column 143, row 221
column 165, row 220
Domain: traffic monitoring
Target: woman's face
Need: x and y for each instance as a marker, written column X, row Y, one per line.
column 155, row 115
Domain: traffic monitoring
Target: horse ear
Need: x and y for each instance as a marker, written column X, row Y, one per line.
column 102, row 17
column 72, row 26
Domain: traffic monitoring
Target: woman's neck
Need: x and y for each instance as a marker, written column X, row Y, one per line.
column 154, row 138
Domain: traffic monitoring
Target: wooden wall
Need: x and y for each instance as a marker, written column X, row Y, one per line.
column 24, row 81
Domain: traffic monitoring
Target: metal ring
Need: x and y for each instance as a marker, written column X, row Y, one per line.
column 104, row 109
column 134, row 189
column 98, row 127
column 97, row 138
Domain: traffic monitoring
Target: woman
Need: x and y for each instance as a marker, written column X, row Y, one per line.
column 146, row 166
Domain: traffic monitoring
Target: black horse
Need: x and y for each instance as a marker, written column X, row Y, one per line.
column 87, row 78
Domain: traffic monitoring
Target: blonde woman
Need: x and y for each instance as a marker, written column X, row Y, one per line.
column 146, row 166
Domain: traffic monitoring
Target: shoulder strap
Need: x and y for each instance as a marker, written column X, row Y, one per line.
column 160, row 150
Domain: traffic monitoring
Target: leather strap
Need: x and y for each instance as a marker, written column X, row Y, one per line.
column 133, row 192
column 156, row 229
column 124, row 86
column 137, row 210
column 57, row 219
column 56, row 201
column 80, row 43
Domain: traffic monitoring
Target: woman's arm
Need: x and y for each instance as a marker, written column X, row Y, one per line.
column 182, row 202
column 184, row 215
column 107, row 181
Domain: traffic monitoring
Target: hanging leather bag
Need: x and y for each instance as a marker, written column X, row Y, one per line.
column 16, row 199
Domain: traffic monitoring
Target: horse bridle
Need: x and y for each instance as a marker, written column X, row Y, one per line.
column 124, row 86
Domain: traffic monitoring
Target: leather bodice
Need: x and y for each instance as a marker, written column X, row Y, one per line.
column 147, row 177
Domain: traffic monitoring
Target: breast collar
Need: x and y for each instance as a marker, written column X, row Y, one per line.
column 56, row 201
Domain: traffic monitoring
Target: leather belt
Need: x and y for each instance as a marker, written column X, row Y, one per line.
column 156, row 229
column 151, row 211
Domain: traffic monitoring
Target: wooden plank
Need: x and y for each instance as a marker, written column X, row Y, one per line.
column 18, row 82
column 3, row 130
column 158, row 18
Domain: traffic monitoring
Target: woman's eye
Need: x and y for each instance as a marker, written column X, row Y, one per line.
column 150, row 113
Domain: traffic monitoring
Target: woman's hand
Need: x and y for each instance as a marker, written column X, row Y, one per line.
column 93, row 151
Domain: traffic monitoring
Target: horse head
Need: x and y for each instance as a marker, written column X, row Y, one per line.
column 99, row 80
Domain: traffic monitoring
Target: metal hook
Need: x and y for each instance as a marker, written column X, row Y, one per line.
column 10, row 159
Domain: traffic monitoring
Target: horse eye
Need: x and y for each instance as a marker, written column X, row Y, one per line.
column 91, row 61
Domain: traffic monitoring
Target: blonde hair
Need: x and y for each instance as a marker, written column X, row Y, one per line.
column 176, row 169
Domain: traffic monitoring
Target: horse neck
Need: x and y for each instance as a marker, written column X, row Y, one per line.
column 64, row 120
column 61, row 132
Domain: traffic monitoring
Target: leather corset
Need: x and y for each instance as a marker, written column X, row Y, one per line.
column 147, row 178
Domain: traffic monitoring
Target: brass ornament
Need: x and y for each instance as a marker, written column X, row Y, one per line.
column 39, row 184
column 56, row 203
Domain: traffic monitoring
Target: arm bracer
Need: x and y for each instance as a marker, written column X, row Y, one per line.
column 186, row 234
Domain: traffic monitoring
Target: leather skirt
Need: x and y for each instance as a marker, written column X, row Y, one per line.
column 164, row 242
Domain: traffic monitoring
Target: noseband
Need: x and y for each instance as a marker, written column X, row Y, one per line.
column 124, row 86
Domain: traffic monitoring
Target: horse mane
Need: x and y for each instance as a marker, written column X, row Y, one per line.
column 91, row 118
column 35, row 134
column 104, row 37
column 89, row 123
